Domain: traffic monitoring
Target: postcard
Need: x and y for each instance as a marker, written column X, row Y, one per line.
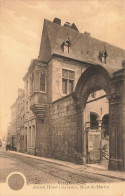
column 62, row 97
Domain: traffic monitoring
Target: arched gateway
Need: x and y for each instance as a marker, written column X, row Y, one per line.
column 97, row 78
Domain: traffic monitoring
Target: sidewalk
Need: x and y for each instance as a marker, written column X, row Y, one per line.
column 90, row 168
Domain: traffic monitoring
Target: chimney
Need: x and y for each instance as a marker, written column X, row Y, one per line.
column 87, row 34
column 74, row 27
column 123, row 63
column 57, row 21
column 67, row 24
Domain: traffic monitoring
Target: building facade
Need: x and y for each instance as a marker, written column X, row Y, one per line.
column 16, row 127
column 20, row 115
column 76, row 84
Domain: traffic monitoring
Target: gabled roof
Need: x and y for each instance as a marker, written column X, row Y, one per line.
column 83, row 46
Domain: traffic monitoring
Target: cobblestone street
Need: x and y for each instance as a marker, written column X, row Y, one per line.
column 41, row 172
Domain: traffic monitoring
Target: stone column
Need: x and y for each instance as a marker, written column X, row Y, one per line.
column 79, row 127
column 81, row 146
column 117, row 122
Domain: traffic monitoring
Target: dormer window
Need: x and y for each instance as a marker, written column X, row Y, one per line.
column 103, row 56
column 66, row 46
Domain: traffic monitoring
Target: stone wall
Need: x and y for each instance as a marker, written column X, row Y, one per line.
column 43, row 145
column 55, row 75
column 57, row 135
column 63, row 128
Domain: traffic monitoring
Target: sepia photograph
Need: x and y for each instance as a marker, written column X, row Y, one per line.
column 62, row 97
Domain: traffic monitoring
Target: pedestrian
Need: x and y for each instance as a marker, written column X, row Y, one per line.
column 6, row 147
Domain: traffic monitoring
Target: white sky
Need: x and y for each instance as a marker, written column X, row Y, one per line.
column 20, row 35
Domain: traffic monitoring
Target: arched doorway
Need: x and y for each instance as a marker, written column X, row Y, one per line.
column 94, row 120
column 97, row 145
column 93, row 79
column 105, row 125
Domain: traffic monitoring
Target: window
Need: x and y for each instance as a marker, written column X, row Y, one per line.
column 70, row 86
column 68, row 77
column 22, row 105
column 27, row 87
column 66, row 46
column 42, row 121
column 42, row 81
column 66, row 49
column 21, row 124
column 93, row 120
column 93, row 94
column 32, row 83
column 30, row 136
column 103, row 56
column 23, row 120
column 33, row 136
column 27, row 106
column 64, row 86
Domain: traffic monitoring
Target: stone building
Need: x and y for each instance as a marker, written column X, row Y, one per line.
column 11, row 137
column 30, row 87
column 20, row 121
column 8, row 137
column 70, row 69
column 16, row 130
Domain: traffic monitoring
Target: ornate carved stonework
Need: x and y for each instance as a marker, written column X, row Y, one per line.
column 39, row 110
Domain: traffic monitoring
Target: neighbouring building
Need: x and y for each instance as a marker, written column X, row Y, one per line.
column 11, row 137
column 9, row 134
column 20, row 121
column 16, row 128
column 73, row 98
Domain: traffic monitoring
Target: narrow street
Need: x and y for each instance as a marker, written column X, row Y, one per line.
column 41, row 172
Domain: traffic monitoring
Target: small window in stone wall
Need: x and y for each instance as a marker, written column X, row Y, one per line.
column 42, row 81
column 68, row 77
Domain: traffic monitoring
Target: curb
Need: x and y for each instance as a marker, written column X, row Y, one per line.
column 107, row 175
column 42, row 159
column 63, row 164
